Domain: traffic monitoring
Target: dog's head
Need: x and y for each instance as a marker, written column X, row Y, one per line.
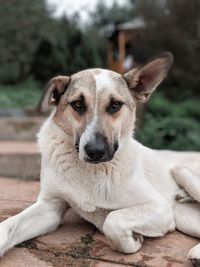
column 97, row 107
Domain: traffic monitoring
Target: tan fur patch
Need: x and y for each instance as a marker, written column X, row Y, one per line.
column 83, row 81
column 62, row 120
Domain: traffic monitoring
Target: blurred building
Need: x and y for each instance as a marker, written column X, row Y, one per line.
column 119, row 38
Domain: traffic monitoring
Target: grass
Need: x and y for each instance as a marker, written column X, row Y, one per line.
column 23, row 95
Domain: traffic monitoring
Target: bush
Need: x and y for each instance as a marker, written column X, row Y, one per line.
column 168, row 125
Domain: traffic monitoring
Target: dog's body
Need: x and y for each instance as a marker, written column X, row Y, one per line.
column 133, row 191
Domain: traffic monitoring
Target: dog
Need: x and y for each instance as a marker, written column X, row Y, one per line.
column 91, row 162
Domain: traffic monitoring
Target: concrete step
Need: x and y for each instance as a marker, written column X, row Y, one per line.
column 19, row 159
column 22, row 128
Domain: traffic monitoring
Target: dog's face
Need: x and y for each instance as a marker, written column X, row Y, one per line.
column 97, row 107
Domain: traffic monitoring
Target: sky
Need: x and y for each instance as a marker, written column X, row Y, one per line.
column 81, row 6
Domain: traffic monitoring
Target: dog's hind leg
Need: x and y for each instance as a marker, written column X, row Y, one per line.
column 187, row 219
column 187, row 215
column 42, row 217
column 188, row 178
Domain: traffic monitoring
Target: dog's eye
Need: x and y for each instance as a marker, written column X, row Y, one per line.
column 79, row 106
column 114, row 106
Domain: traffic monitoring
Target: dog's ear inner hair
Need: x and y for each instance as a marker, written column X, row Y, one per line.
column 55, row 88
column 143, row 81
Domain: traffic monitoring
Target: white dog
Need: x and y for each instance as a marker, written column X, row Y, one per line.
column 91, row 162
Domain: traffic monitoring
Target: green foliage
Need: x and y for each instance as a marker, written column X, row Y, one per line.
column 172, row 25
column 161, row 106
column 20, row 34
column 169, row 125
column 33, row 42
column 66, row 51
column 104, row 15
column 23, row 95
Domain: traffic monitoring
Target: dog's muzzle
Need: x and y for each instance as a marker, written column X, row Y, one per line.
column 97, row 150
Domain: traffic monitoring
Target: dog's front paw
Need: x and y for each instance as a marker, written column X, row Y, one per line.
column 126, row 244
column 131, row 243
column 194, row 255
column 120, row 237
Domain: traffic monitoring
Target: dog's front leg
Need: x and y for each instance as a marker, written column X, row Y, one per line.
column 125, row 228
column 42, row 217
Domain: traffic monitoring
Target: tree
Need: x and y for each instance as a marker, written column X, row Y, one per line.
column 104, row 15
column 173, row 25
column 66, row 50
column 22, row 24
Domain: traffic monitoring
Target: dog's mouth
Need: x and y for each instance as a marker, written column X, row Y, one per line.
column 99, row 161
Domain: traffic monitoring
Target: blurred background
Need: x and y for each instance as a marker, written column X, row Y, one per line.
column 41, row 39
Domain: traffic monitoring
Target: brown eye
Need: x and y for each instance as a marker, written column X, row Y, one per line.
column 79, row 106
column 114, row 106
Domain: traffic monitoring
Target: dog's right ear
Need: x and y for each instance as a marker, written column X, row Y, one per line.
column 55, row 88
column 144, row 80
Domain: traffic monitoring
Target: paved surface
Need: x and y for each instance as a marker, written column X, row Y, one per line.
column 78, row 243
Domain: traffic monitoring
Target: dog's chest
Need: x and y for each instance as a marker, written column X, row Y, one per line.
column 112, row 185
column 90, row 189
column 81, row 191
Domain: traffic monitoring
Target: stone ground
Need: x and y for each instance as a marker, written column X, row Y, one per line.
column 78, row 243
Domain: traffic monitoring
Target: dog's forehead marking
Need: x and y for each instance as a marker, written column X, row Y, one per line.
column 109, row 80
column 103, row 80
column 96, row 80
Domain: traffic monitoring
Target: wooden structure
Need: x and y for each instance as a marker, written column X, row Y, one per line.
column 118, row 38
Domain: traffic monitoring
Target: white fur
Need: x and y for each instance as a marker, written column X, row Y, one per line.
column 87, row 135
column 88, row 189
column 103, row 80
column 127, row 198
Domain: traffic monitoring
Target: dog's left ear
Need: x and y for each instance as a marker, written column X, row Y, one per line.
column 55, row 88
column 143, row 81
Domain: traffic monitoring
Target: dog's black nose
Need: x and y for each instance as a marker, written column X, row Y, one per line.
column 97, row 148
